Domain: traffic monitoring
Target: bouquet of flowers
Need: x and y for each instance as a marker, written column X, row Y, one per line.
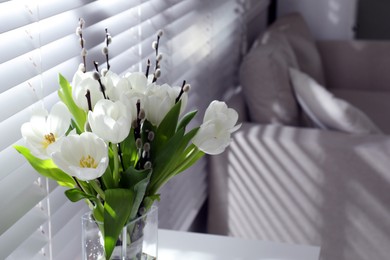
column 114, row 141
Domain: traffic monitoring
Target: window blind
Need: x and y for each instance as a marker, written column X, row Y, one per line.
column 201, row 44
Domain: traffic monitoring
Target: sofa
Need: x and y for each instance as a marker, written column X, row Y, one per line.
column 300, row 171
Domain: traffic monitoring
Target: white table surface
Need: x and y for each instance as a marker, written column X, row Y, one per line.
column 176, row 245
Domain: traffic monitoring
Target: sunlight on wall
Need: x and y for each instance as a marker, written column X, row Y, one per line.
column 366, row 229
column 327, row 19
column 309, row 187
column 276, row 206
column 333, row 13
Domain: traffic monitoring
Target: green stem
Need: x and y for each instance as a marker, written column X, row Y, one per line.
column 98, row 213
column 115, row 173
column 83, row 186
column 97, row 188
column 193, row 156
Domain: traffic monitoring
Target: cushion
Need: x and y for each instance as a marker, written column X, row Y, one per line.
column 298, row 35
column 375, row 104
column 328, row 111
column 265, row 82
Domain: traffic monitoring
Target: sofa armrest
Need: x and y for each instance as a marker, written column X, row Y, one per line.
column 306, row 186
column 356, row 64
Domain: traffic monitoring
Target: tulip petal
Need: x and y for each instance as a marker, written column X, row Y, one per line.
column 75, row 149
column 214, row 133
column 59, row 119
column 137, row 81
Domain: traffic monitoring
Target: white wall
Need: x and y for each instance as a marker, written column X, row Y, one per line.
column 327, row 19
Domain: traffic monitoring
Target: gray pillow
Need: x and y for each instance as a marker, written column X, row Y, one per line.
column 294, row 28
column 265, row 82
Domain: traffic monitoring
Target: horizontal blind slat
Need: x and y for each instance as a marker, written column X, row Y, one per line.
column 25, row 95
column 48, row 8
column 17, row 209
column 69, row 231
column 18, row 233
column 30, row 249
column 10, row 161
column 18, row 70
column 18, row 42
column 95, row 15
column 11, row 129
column 11, row 9
column 16, row 182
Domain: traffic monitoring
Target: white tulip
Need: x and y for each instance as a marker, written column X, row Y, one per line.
column 218, row 124
column 113, row 85
column 79, row 75
column 44, row 130
column 130, row 99
column 81, row 83
column 119, row 89
column 83, row 156
column 158, row 103
column 161, row 99
column 137, row 81
column 110, row 120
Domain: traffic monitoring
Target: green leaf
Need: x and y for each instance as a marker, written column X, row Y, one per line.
column 65, row 94
column 171, row 154
column 47, row 168
column 167, row 127
column 187, row 119
column 170, row 159
column 129, row 151
column 166, row 153
column 192, row 155
column 117, row 209
column 107, row 179
column 137, row 181
column 184, row 148
column 75, row 195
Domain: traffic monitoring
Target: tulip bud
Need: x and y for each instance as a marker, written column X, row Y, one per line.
column 157, row 73
column 105, row 50
column 104, row 72
column 109, row 39
column 79, row 31
column 134, row 124
column 81, row 22
column 148, row 165
column 147, row 147
column 95, row 75
column 138, row 143
column 141, row 114
column 160, row 33
column 81, row 67
column 154, row 45
column 186, row 87
column 151, row 136
column 83, row 52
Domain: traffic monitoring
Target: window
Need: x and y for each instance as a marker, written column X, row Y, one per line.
column 202, row 44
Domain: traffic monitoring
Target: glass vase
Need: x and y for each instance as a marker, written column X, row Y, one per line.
column 137, row 241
